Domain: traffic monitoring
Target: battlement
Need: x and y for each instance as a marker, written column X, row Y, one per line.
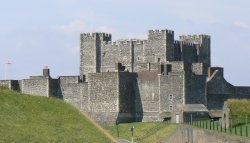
column 186, row 43
column 194, row 36
column 176, row 42
column 183, row 43
column 166, row 31
column 125, row 42
column 104, row 36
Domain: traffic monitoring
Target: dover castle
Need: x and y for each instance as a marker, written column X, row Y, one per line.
column 139, row 80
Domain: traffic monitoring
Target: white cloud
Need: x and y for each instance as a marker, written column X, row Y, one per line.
column 242, row 24
column 74, row 26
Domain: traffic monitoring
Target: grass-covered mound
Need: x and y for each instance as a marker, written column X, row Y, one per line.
column 151, row 132
column 239, row 111
column 25, row 118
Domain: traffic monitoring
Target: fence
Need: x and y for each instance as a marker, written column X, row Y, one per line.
column 216, row 125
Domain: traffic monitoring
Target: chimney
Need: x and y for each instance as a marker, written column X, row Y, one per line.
column 46, row 71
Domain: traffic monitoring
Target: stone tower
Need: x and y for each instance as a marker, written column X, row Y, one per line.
column 160, row 46
column 91, row 52
column 202, row 43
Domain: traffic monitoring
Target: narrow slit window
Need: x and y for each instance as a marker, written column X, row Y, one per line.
column 170, row 107
column 170, row 97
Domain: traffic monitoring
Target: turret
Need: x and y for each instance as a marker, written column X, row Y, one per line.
column 202, row 43
column 90, row 52
column 160, row 46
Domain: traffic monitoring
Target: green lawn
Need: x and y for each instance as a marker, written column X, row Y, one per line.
column 25, row 119
column 122, row 131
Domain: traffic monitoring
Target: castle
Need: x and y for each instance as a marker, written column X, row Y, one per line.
column 139, row 80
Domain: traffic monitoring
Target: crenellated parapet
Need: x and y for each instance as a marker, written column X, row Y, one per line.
column 125, row 42
column 157, row 31
column 196, row 39
column 102, row 36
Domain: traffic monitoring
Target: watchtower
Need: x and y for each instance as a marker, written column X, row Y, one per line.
column 160, row 46
column 202, row 43
column 91, row 52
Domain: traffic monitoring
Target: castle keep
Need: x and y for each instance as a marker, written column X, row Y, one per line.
column 139, row 80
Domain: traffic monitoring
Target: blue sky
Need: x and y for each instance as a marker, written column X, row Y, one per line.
column 38, row 33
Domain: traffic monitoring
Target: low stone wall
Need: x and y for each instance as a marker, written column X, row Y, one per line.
column 10, row 84
column 36, row 86
column 187, row 134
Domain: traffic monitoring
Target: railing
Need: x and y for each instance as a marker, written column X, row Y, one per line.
column 216, row 125
column 151, row 131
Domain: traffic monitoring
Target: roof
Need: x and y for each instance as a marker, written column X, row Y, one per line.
column 215, row 113
column 192, row 108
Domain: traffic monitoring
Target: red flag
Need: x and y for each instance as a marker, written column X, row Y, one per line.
column 8, row 62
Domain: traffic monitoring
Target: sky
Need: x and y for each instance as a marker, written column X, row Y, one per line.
column 34, row 34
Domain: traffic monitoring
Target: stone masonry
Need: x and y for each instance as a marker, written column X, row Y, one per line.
column 138, row 80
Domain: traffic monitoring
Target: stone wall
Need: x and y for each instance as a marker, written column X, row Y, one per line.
column 98, row 53
column 76, row 94
column 53, row 88
column 110, row 56
column 38, row 86
column 202, row 44
column 189, row 52
column 195, row 89
column 148, row 83
column 103, row 91
column 218, row 89
column 199, row 69
column 5, row 83
column 242, row 92
column 142, row 67
column 171, row 91
column 90, row 52
column 130, row 104
column 10, row 84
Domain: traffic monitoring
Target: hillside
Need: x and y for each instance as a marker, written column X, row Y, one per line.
column 25, row 118
column 151, row 132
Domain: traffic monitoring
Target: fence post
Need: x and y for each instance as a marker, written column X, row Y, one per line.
column 191, row 120
column 213, row 125
column 230, row 129
column 210, row 124
column 246, row 131
column 241, row 130
column 235, row 130
column 217, row 126
column 220, row 127
column 225, row 128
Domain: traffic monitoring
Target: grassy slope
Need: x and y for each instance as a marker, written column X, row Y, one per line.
column 26, row 118
column 122, row 131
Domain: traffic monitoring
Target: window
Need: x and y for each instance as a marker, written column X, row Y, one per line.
column 170, row 107
column 138, row 58
column 153, row 96
column 159, row 59
column 170, row 97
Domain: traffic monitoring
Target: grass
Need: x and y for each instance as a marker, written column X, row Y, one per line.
column 122, row 131
column 25, row 118
column 239, row 111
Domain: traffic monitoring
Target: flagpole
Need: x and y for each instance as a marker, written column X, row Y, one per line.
column 6, row 66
